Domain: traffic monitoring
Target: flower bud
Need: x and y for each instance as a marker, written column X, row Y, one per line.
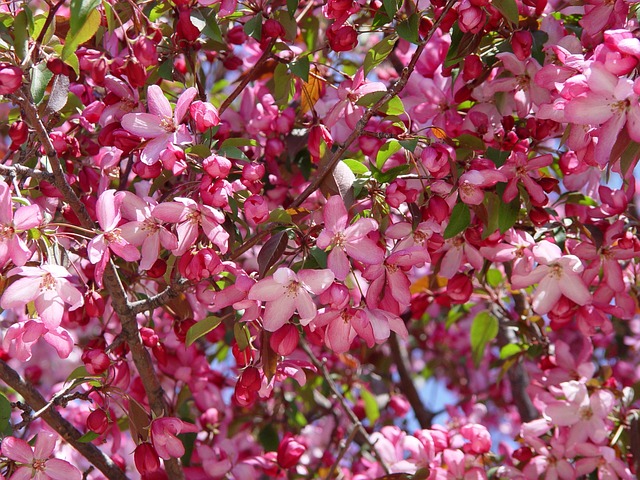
column 146, row 458
column 470, row 18
column 97, row 421
column 284, row 340
column 459, row 288
column 272, row 29
column 521, row 42
column 236, row 35
column 289, row 452
column 217, row 166
column 473, row 68
column 145, row 51
column 204, row 114
column 256, row 209
column 342, row 39
column 18, row 132
column 10, row 78
column 95, row 361
column 149, row 337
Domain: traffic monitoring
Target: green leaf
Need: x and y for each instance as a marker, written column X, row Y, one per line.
column 409, row 144
column 379, row 52
column 21, row 34
column 390, row 6
column 288, row 23
column 300, row 68
column 511, row 349
column 483, row 329
column 201, row 328
column 494, row 277
column 239, row 142
column 462, row 44
column 232, row 152
column 59, row 93
column 388, row 149
column 508, row 214
column 370, row 405
column 268, row 438
column 40, row 78
column 508, row 9
column 5, row 412
column 88, row 437
column 459, row 221
column 271, row 252
column 211, row 29
column 356, row 167
column 279, row 215
column 85, row 32
column 79, row 372
column 242, row 335
column 253, row 27
column 408, row 29
column 292, row 6
column 471, row 141
column 81, row 10
column 389, row 175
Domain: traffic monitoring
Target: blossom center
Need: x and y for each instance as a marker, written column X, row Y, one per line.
column 150, row 226
column 114, row 235
column 585, row 413
column 39, row 465
column 292, row 289
column 556, row 271
column 7, row 231
column 47, row 282
column 168, row 125
column 339, row 240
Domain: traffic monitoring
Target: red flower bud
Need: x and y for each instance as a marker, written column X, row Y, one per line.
column 473, row 68
column 521, row 42
column 342, row 39
column 289, row 452
column 145, row 51
column 10, row 78
column 18, row 132
column 459, row 288
column 204, row 114
column 285, row 340
column 97, row 421
column 149, row 337
column 146, row 458
column 158, row 269
column 272, row 29
column 95, row 361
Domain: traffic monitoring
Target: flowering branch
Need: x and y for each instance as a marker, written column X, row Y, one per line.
column 51, row 416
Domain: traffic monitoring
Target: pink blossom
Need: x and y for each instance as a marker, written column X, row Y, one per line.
column 204, row 114
column 36, row 463
column 189, row 216
column 585, row 414
column 47, row 287
column 129, row 101
column 110, row 240
column 163, row 436
column 519, row 169
column 347, row 240
column 471, row 183
column 22, row 336
column 287, row 292
column 12, row 224
column 161, row 124
column 145, row 229
column 557, row 275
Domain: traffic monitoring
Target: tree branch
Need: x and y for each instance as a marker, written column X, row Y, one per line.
column 66, row 430
column 408, row 388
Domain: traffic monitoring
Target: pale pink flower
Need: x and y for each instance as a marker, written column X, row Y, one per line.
column 585, row 414
column 287, row 292
column 458, row 250
column 472, row 183
column 189, row 216
column 604, row 459
column 161, row 124
column 163, row 436
column 517, row 247
column 129, row 100
column 12, row 224
column 110, row 240
column 37, row 463
column 22, row 336
column 347, row 240
column 145, row 229
column 557, row 275
column 47, row 286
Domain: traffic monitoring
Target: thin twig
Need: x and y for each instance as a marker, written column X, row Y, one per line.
column 343, row 402
column 53, row 418
column 22, row 171
column 343, row 450
column 172, row 291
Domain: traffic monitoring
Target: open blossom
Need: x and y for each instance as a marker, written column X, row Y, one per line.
column 557, row 275
column 161, row 124
column 11, row 224
column 163, row 436
column 110, row 240
column 519, row 169
column 47, row 287
column 36, row 463
column 287, row 292
column 20, row 338
column 189, row 215
column 346, row 240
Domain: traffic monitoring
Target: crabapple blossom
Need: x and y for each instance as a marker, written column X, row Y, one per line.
column 286, row 293
column 12, row 224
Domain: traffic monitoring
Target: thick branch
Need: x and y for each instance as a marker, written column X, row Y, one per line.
column 408, row 388
column 112, row 283
column 53, row 418
column 172, row 291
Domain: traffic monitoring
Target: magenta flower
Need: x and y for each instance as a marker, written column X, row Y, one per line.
column 161, row 124
column 519, row 169
column 37, row 463
column 163, row 436
column 11, row 224
column 129, row 101
column 189, row 216
column 346, row 240
column 47, row 287
column 287, row 293
column 22, row 336
column 110, row 240
column 557, row 275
